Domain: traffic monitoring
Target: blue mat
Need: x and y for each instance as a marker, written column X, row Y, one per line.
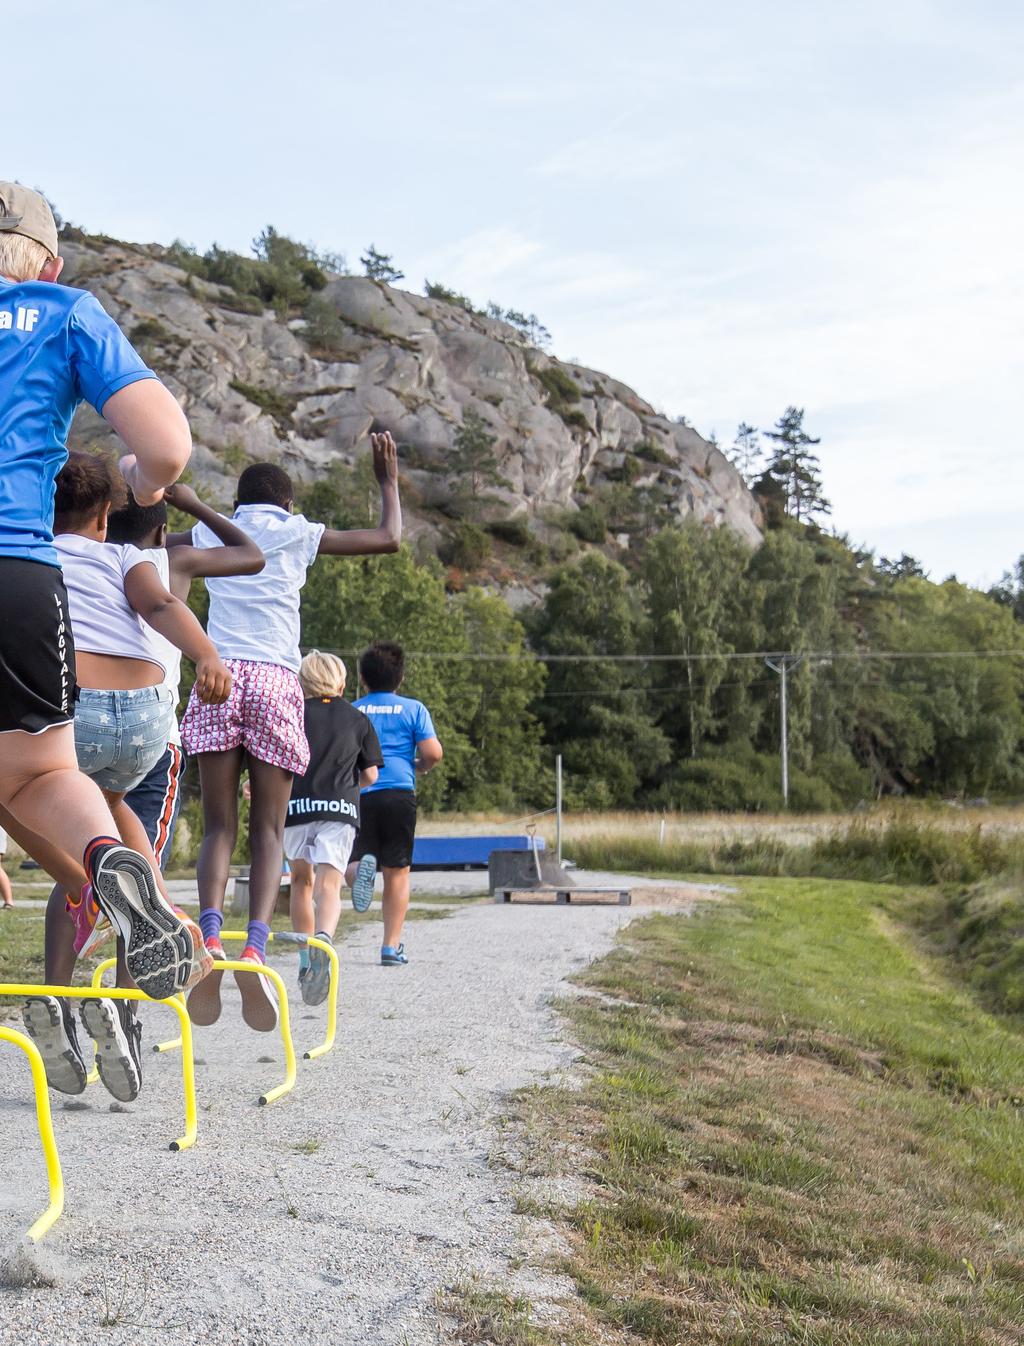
column 464, row 852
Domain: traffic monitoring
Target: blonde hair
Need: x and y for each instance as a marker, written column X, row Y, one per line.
column 322, row 674
column 21, row 258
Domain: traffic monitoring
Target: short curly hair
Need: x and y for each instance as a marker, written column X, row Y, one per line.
column 86, row 483
column 265, row 484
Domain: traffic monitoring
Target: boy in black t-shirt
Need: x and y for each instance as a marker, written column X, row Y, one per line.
column 323, row 814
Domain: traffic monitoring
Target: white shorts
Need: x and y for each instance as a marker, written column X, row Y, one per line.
column 3, row 842
column 320, row 843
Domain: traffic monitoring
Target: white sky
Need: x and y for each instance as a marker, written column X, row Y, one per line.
column 731, row 207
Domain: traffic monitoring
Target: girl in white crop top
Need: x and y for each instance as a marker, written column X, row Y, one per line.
column 117, row 601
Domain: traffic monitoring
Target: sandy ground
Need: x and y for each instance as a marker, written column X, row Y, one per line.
column 337, row 1214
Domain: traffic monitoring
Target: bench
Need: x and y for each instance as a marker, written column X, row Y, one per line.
column 239, row 902
column 465, row 852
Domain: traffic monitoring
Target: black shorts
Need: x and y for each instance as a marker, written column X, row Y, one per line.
column 387, row 827
column 37, row 654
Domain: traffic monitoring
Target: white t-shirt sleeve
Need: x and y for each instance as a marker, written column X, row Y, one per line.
column 134, row 556
column 203, row 536
column 313, row 533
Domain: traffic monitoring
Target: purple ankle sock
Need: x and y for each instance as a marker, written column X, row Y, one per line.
column 256, row 936
column 210, row 922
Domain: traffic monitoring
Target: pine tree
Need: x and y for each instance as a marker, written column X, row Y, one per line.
column 472, row 463
column 796, row 468
column 745, row 454
column 379, row 266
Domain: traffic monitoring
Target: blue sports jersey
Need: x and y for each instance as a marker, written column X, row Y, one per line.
column 400, row 723
column 57, row 348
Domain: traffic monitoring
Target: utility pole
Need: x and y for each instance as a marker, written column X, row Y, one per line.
column 781, row 664
column 558, row 808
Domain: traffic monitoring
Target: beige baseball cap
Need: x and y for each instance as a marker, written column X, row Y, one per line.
column 23, row 211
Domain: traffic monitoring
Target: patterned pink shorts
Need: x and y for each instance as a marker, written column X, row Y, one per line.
column 265, row 714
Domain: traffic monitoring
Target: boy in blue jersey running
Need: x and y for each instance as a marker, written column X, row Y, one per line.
column 387, row 823
column 58, row 348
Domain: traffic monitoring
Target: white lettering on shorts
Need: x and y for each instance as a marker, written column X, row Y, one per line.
column 62, row 655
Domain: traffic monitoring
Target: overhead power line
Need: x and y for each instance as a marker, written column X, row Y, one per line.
column 813, row 656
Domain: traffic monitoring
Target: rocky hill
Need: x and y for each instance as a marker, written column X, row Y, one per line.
column 303, row 387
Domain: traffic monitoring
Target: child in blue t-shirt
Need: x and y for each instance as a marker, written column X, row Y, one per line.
column 410, row 747
column 59, row 348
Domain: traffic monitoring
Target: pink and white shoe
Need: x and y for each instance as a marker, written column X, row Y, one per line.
column 259, row 995
column 92, row 929
column 204, row 1003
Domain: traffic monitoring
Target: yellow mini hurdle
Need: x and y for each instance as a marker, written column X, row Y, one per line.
column 44, row 1120
column 284, row 937
column 183, row 1042
column 290, row 937
column 229, row 965
column 25, row 990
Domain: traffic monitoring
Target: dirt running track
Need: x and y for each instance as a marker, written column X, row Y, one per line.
column 334, row 1215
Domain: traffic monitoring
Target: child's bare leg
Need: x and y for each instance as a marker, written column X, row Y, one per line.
column 41, row 785
column 6, row 893
column 133, row 834
column 301, row 901
column 219, row 775
column 61, row 867
column 327, row 897
column 268, row 808
column 395, row 903
column 60, row 940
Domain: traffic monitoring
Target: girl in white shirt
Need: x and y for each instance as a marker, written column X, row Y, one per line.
column 122, row 718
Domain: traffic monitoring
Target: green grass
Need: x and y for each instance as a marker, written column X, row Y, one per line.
column 488, row 1316
column 800, row 1129
column 900, row 851
column 21, row 946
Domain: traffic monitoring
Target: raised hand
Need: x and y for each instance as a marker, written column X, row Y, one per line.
column 385, row 457
column 182, row 497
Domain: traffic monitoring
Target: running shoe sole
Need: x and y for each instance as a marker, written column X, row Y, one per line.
column 119, row 1070
column 44, row 1023
column 317, row 982
column 158, row 946
column 259, row 1001
column 204, row 1003
column 362, row 884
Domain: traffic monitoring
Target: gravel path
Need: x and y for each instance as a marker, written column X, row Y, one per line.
column 337, row 1213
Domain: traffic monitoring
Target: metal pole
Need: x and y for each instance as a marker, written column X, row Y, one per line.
column 782, row 667
column 558, row 807
column 784, row 732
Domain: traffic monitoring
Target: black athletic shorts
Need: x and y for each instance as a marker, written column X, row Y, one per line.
column 387, row 827
column 37, row 654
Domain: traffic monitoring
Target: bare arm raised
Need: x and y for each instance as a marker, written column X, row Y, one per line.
column 238, row 556
column 169, row 615
column 387, row 536
column 153, row 427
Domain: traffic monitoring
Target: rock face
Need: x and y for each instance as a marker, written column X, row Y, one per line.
column 255, row 387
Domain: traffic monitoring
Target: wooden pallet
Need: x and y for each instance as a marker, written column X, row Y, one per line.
column 565, row 897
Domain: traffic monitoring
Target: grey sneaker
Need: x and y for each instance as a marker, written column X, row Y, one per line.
column 51, row 1026
column 317, row 981
column 159, row 948
column 362, row 884
column 118, row 1037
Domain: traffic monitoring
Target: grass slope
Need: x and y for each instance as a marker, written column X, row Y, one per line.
column 798, row 1129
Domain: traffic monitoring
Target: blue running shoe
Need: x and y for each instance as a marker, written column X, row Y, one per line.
column 391, row 957
column 362, row 885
